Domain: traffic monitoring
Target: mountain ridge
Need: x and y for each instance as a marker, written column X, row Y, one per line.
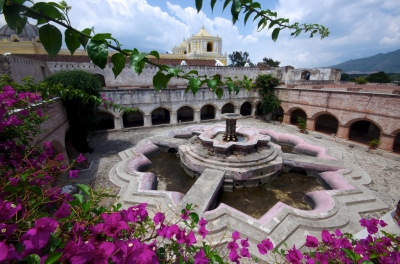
column 387, row 62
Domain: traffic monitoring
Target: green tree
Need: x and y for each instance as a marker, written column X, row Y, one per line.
column 269, row 62
column 360, row 80
column 239, row 59
column 265, row 84
column 378, row 77
column 344, row 77
column 81, row 115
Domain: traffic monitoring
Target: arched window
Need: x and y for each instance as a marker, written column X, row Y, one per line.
column 133, row 119
column 326, row 124
column 364, row 131
column 207, row 112
column 305, row 75
column 160, row 116
column 104, row 121
column 209, row 46
column 185, row 114
column 295, row 115
column 245, row 109
column 228, row 108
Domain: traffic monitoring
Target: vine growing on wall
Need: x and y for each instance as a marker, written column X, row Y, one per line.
column 265, row 84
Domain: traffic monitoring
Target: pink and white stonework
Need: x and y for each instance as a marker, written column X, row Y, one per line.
column 336, row 207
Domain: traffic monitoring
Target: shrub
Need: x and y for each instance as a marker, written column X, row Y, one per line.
column 360, row 80
column 302, row 123
column 265, row 84
column 374, row 142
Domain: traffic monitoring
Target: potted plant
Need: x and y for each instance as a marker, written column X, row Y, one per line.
column 280, row 119
column 301, row 123
column 373, row 143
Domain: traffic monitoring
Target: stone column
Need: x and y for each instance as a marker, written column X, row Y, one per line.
column 237, row 110
column 147, row 120
column 253, row 110
column 118, row 122
column 311, row 124
column 197, row 116
column 218, row 114
column 174, row 118
column 286, row 118
column 386, row 142
column 343, row 132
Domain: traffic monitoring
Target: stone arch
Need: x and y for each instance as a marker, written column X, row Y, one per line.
column 160, row 115
column 305, row 75
column 326, row 122
column 245, row 108
column 207, row 112
column 133, row 119
column 258, row 109
column 277, row 114
column 14, row 38
column 185, row 114
column 396, row 143
column 104, row 120
column 296, row 112
column 101, row 78
column 210, row 46
column 228, row 108
column 362, row 130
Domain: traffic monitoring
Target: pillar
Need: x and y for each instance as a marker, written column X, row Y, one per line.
column 118, row 122
column 311, row 124
column 197, row 116
column 253, row 110
column 218, row 114
column 343, row 132
column 147, row 120
column 286, row 118
column 237, row 110
column 174, row 118
column 386, row 142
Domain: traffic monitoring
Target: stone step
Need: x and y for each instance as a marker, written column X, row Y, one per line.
column 228, row 180
column 123, row 155
column 227, row 188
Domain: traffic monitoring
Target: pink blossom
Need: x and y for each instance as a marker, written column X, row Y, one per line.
column 245, row 253
column 200, row 257
column 264, row 246
column 63, row 211
column 39, row 113
column 171, row 231
column 203, row 232
column 80, row 158
column 158, row 218
column 311, row 242
column 234, row 256
column 326, row 236
column 8, row 253
column 245, row 242
column 294, row 256
column 190, row 239
column 185, row 214
column 203, row 222
column 73, row 173
column 235, row 235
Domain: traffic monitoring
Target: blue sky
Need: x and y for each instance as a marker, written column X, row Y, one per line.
column 359, row 28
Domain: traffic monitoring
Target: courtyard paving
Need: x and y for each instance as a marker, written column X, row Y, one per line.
column 385, row 172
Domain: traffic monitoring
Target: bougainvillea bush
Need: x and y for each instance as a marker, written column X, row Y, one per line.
column 40, row 224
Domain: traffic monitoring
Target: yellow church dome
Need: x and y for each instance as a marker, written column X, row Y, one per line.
column 203, row 33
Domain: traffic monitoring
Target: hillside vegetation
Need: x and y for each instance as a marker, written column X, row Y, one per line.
column 388, row 62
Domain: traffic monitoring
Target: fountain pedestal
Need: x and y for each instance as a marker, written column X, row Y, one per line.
column 230, row 130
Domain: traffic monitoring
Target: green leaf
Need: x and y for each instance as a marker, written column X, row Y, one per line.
column 155, row 54
column 235, row 10
column 255, row 5
column 158, row 81
column 193, row 72
column 226, row 4
column 136, row 61
column 174, row 71
column 84, row 188
column 229, row 84
column 84, row 40
column 199, row 4
column 86, row 206
column 51, row 38
column 72, row 40
column 53, row 257
column 195, row 217
column 367, row 262
column 236, row 88
column 33, row 259
column 102, row 36
column 1, row 5
column 48, row 10
column 217, row 259
column 194, row 84
column 273, row 23
column 79, row 197
column 212, row 84
column 246, row 17
column 352, row 255
column 118, row 60
column 261, row 24
column 98, row 52
column 213, row 4
column 275, row 34
column 219, row 92
column 24, row 175
column 35, row 189
column 13, row 19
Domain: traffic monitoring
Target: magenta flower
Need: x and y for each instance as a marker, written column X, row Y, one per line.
column 338, row 233
column 8, row 209
column 235, row 235
column 326, row 236
column 7, row 230
column 80, row 158
column 294, row 256
column 245, row 253
column 180, row 237
column 159, row 218
column 171, row 231
column 311, row 242
column 103, row 252
column 140, row 253
column 203, row 222
column 80, row 252
column 371, row 225
column 135, row 213
column 73, row 173
column 245, row 242
column 63, row 211
column 8, row 253
column 36, row 238
column 232, row 245
column 190, row 239
column 185, row 214
column 234, row 256
column 264, row 246
column 203, row 232
column 113, row 224
column 162, row 231
column 39, row 113
column 200, row 257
